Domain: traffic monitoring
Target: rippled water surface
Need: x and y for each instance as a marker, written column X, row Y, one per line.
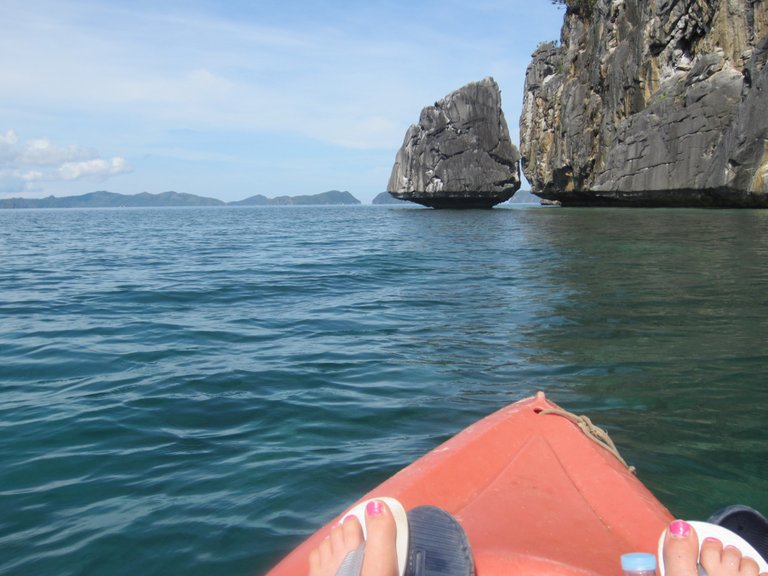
column 192, row 391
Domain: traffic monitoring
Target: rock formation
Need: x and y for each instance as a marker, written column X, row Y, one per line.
column 659, row 103
column 459, row 155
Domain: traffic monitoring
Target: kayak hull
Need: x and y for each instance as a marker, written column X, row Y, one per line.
column 533, row 492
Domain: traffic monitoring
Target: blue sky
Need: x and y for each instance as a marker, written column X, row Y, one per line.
column 234, row 98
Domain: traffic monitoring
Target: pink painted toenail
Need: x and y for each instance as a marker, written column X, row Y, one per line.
column 712, row 540
column 374, row 508
column 347, row 517
column 680, row 529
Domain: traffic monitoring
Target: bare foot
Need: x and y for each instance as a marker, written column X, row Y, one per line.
column 380, row 558
column 681, row 554
column 344, row 537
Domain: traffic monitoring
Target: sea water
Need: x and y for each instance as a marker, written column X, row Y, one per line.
column 193, row 391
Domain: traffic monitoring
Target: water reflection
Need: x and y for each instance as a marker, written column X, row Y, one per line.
column 662, row 336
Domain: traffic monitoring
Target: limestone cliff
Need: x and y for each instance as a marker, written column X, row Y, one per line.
column 459, row 155
column 651, row 103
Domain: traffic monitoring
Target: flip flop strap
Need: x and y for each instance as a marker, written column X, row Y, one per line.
column 352, row 564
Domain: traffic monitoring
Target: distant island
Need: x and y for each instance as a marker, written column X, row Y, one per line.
column 330, row 198
column 104, row 199
column 387, row 198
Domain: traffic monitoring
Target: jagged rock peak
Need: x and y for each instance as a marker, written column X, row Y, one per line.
column 459, row 155
column 651, row 103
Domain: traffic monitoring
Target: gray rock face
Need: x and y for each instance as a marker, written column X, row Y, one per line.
column 459, row 155
column 652, row 104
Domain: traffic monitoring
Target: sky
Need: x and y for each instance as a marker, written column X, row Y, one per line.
column 233, row 98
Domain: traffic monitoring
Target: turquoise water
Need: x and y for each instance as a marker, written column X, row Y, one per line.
column 192, row 391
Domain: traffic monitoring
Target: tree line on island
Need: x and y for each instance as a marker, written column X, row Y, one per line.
column 104, row 199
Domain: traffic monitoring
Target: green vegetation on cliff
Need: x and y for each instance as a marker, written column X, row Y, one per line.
column 582, row 7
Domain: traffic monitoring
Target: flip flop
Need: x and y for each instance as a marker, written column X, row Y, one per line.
column 707, row 530
column 353, row 561
column 438, row 545
column 430, row 542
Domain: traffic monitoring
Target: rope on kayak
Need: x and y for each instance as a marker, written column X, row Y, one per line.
column 591, row 431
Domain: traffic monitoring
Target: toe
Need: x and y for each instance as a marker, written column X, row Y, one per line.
column 711, row 554
column 337, row 540
column 352, row 532
column 314, row 562
column 748, row 567
column 380, row 547
column 320, row 558
column 681, row 550
column 731, row 560
column 326, row 551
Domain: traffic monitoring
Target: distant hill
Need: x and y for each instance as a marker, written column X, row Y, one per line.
column 258, row 200
column 332, row 197
column 387, row 198
column 103, row 199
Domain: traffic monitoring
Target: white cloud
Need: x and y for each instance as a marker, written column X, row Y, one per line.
column 8, row 148
column 32, row 176
column 42, row 153
column 9, row 138
column 24, row 164
column 96, row 167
